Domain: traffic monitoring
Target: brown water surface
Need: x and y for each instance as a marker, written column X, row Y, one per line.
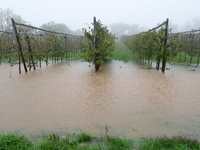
column 71, row 97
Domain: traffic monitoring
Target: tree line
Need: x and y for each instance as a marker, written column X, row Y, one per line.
column 6, row 24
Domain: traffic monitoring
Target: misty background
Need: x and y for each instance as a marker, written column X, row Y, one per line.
column 121, row 16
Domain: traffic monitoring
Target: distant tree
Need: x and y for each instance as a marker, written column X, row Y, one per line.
column 58, row 27
column 124, row 29
column 78, row 32
column 5, row 19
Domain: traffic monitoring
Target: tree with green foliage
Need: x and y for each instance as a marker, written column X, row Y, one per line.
column 58, row 27
column 100, row 44
column 5, row 19
column 152, row 46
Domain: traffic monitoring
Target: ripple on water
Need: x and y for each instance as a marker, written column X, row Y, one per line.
column 71, row 97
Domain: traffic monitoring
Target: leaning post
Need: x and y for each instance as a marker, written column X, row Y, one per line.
column 19, row 44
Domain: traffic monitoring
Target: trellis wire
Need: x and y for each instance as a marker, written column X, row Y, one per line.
column 68, row 40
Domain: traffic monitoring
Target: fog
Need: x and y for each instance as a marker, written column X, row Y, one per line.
column 134, row 15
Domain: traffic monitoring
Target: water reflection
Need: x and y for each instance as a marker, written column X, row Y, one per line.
column 71, row 97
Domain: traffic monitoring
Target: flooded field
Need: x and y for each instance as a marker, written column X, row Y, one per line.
column 130, row 101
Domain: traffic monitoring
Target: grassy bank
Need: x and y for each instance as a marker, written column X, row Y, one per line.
column 86, row 141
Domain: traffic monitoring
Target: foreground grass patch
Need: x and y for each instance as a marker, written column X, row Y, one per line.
column 173, row 143
column 74, row 141
column 84, row 141
column 117, row 143
column 14, row 142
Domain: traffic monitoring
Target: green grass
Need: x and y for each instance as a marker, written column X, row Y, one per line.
column 74, row 56
column 84, row 141
column 122, row 53
column 84, row 137
column 14, row 142
column 182, row 61
column 117, row 143
column 173, row 143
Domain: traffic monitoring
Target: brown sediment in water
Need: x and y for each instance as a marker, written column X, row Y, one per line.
column 71, row 97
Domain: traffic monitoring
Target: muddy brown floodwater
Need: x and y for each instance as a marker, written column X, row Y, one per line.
column 70, row 97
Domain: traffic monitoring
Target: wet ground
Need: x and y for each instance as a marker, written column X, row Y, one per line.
column 130, row 101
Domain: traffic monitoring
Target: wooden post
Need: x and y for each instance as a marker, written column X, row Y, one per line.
column 198, row 54
column 95, row 24
column 19, row 62
column 166, row 42
column 19, row 44
column 0, row 58
column 0, row 53
column 96, row 55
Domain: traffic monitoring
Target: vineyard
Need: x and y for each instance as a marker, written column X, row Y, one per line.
column 190, row 46
column 30, row 46
column 124, row 98
column 161, row 45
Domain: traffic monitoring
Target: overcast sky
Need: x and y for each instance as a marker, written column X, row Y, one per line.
column 76, row 13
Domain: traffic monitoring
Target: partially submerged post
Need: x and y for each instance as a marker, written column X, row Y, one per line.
column 166, row 43
column 96, row 55
column 20, row 47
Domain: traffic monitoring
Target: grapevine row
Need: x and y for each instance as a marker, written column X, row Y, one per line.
column 38, row 45
column 152, row 45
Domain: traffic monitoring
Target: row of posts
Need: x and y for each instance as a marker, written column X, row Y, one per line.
column 95, row 46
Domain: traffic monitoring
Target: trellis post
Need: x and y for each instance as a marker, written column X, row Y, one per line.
column 166, row 42
column 96, row 55
column 20, row 47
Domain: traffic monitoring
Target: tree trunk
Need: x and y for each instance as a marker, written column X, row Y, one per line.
column 97, row 66
column 191, row 59
column 164, row 64
column 19, row 63
column 198, row 58
column 185, row 57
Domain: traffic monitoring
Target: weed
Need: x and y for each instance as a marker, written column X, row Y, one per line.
column 84, row 137
column 14, row 142
column 53, row 141
column 118, row 143
column 85, row 141
column 175, row 143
